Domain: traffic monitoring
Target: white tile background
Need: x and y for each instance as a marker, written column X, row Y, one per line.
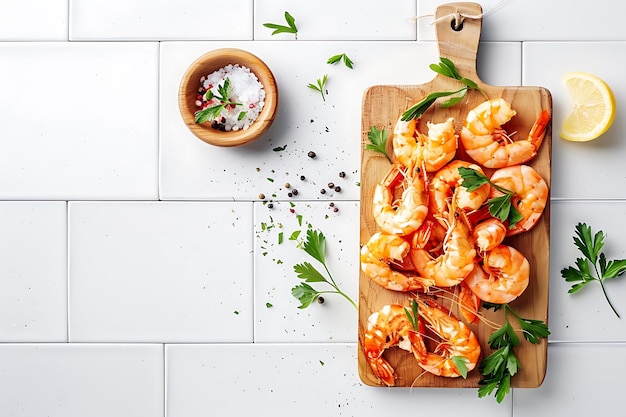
column 133, row 273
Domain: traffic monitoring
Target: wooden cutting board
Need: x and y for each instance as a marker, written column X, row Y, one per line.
column 382, row 106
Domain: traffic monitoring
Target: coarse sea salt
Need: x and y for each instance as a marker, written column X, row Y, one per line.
column 245, row 89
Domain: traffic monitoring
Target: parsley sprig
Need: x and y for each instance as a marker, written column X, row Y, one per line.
column 590, row 245
column 341, row 57
column 320, row 86
column 223, row 95
column 447, row 68
column 500, row 207
column 378, row 141
column 290, row 28
column 498, row 368
column 315, row 246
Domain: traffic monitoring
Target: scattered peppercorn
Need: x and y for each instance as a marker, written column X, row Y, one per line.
column 335, row 209
column 342, row 174
column 331, row 204
column 320, row 299
column 289, row 194
column 331, row 185
column 337, row 188
column 312, row 154
column 270, row 205
column 261, row 196
column 294, row 192
column 287, row 185
column 302, row 177
column 323, row 191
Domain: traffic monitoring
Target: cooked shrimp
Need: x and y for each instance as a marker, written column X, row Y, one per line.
column 488, row 144
column 388, row 327
column 434, row 150
column 408, row 214
column 458, row 340
column 439, row 147
column 376, row 256
column 456, row 261
column 489, row 234
column 468, row 303
column 404, row 143
column 531, row 194
column 432, row 234
column 502, row 278
column 447, row 181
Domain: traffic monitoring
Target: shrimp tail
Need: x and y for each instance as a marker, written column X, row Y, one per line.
column 383, row 370
column 538, row 131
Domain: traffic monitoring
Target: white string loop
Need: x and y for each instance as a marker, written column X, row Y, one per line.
column 460, row 17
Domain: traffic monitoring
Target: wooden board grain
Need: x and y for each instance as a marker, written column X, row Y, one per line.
column 382, row 106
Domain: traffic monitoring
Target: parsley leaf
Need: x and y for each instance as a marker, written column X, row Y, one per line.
column 460, row 363
column 320, row 86
column 211, row 113
column 501, row 207
column 420, row 108
column 446, row 68
column 498, row 368
column 590, row 246
column 290, row 28
column 378, row 141
column 341, row 57
column 315, row 246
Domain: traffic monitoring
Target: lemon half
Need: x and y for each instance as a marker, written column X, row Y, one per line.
column 594, row 107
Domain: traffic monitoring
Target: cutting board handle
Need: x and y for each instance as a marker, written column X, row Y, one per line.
column 458, row 27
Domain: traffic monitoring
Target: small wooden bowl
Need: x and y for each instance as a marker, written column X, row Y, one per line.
column 205, row 65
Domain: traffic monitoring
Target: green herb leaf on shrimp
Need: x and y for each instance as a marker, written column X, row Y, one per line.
column 501, row 207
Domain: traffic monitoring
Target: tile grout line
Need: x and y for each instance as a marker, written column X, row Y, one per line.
column 68, row 19
column 67, row 270
column 164, row 382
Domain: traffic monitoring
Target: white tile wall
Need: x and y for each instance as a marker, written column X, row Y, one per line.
column 304, row 379
column 99, row 380
column 137, row 19
column 142, row 275
column 68, row 131
column 33, row 271
column 159, row 272
column 39, row 20
column 323, row 20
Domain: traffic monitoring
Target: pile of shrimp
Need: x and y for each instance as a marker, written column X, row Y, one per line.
column 434, row 234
